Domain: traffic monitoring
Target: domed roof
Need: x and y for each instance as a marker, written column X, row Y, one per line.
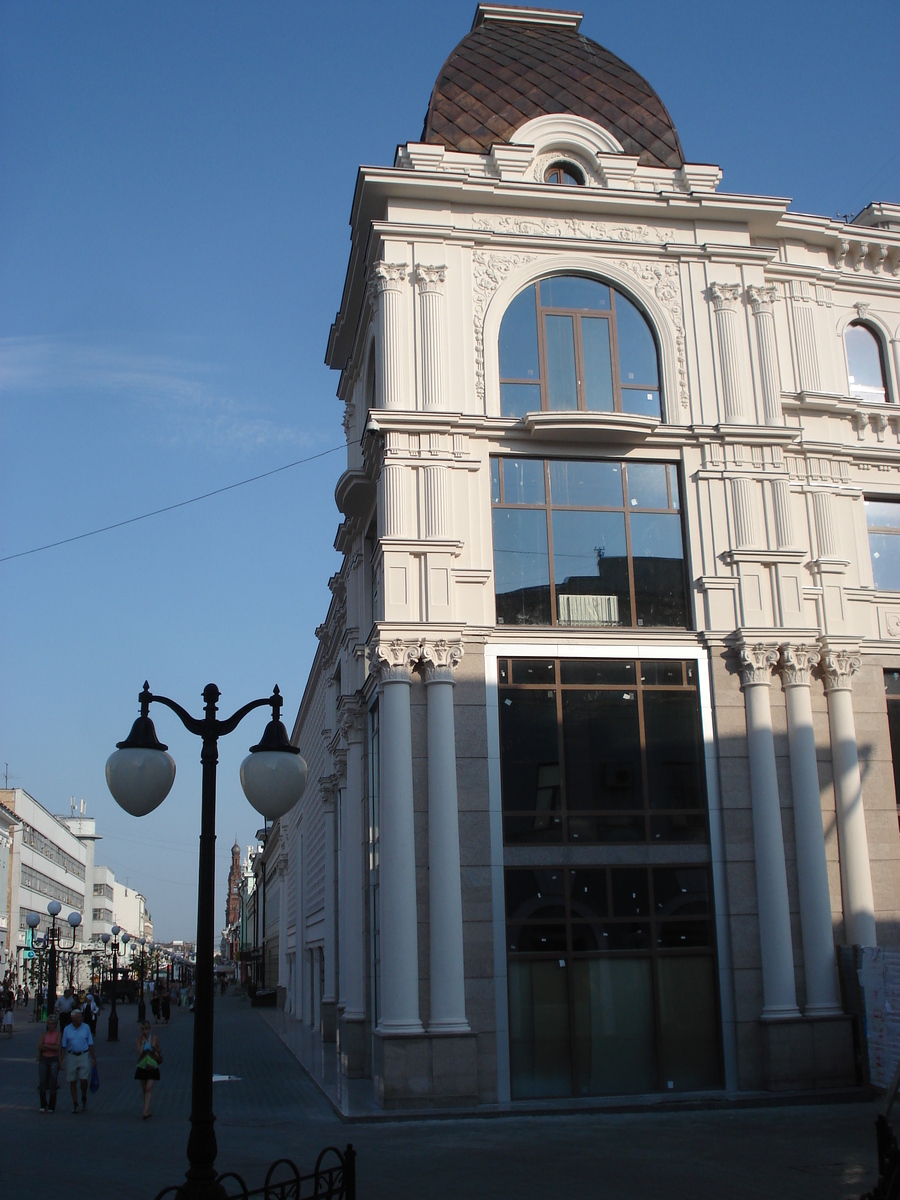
column 520, row 63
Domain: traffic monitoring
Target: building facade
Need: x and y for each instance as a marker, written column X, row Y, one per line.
column 599, row 729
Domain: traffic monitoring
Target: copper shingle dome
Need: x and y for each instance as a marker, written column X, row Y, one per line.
column 519, row 63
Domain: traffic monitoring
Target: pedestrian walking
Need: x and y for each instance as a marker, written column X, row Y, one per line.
column 90, row 1011
column 48, row 1063
column 154, row 1003
column 25, row 992
column 75, row 1048
column 65, row 1006
column 166, row 1006
column 6, row 1007
column 149, row 1058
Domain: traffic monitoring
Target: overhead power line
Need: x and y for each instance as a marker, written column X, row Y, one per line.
column 229, row 487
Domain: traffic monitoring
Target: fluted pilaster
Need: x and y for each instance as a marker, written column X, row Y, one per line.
column 826, row 532
column 430, row 283
column 781, row 505
column 436, row 487
column 742, row 511
column 393, row 491
column 388, row 282
column 762, row 300
column 724, row 297
column 805, row 335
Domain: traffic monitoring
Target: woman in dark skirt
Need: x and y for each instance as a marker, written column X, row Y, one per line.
column 149, row 1058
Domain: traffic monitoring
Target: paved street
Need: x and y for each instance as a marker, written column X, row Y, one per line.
column 823, row 1152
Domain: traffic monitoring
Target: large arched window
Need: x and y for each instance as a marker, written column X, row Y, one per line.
column 573, row 343
column 865, row 363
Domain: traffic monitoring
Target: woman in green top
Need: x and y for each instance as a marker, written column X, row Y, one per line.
column 149, row 1058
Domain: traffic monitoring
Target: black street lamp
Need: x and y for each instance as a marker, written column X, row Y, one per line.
column 111, row 946
column 53, row 940
column 140, row 775
column 142, row 1007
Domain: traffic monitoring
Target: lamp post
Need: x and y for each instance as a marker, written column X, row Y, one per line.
column 142, row 1007
column 140, row 775
column 111, row 946
column 53, row 940
column 37, row 947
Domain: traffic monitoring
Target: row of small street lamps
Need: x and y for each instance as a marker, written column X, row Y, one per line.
column 115, row 942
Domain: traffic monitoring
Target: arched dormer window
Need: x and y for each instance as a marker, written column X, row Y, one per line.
column 564, row 173
column 574, row 343
column 865, row 363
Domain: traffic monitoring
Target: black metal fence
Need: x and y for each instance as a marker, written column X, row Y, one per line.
column 334, row 1179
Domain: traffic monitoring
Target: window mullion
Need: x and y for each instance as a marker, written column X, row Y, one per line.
column 614, row 353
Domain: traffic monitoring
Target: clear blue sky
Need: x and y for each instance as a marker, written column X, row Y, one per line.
column 175, row 187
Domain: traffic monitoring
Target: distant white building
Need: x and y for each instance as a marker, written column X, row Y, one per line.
column 45, row 857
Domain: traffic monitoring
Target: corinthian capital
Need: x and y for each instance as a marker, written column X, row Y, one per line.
column 724, row 295
column 392, row 661
column 838, row 668
column 430, row 279
column 762, row 298
column 388, row 277
column 796, row 664
column 439, row 658
column 757, row 662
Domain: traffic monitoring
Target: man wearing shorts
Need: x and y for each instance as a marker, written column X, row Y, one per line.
column 76, row 1056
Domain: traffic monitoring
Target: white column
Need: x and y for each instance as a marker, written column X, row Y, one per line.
column 397, row 872
column 388, row 281
column 351, row 876
column 281, row 869
column 328, row 994
column 838, row 668
column 724, row 297
column 448, row 982
column 430, row 282
column 393, row 497
column 822, row 993
column 826, row 528
column 779, row 992
column 761, row 301
column 781, row 503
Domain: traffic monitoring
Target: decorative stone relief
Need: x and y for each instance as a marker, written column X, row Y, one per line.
column 489, row 271
column 892, row 624
column 838, row 668
column 573, row 227
column 796, row 664
column 664, row 281
column 757, row 662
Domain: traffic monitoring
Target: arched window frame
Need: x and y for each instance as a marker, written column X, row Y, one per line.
column 568, row 167
column 619, row 388
column 879, row 337
column 666, row 328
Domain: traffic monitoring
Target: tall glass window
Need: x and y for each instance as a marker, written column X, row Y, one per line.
column 883, row 521
column 612, row 980
column 892, row 693
column 587, row 543
column 865, row 363
column 574, row 343
column 601, row 751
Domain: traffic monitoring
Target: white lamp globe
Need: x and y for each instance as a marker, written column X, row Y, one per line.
column 53, row 908
column 33, row 920
column 140, row 774
column 74, row 919
column 273, row 781
column 140, row 778
column 104, row 938
column 273, row 775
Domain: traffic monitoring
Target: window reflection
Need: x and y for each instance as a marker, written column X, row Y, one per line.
column 607, row 549
column 583, row 345
column 865, row 366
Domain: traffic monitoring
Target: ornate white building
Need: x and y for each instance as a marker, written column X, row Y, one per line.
column 599, row 728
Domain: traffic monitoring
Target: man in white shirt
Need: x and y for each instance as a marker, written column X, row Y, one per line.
column 77, row 1055
column 64, row 1006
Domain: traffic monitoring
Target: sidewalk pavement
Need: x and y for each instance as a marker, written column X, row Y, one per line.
column 268, row 1107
